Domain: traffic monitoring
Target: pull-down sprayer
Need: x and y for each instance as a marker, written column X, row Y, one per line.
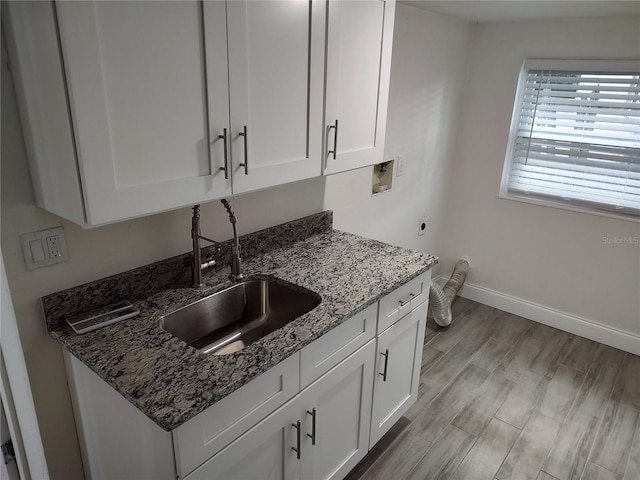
column 197, row 266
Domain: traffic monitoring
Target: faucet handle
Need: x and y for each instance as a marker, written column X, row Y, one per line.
column 208, row 264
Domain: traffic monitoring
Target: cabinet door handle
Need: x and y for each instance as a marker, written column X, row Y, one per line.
column 243, row 133
column 385, row 354
column 297, row 447
column 404, row 302
column 334, row 152
column 313, row 426
column 225, row 169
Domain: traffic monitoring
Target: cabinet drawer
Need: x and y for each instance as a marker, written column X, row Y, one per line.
column 336, row 345
column 201, row 437
column 402, row 300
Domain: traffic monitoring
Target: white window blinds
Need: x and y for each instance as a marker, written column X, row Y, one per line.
column 575, row 135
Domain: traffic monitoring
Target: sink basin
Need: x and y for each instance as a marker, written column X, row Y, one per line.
column 231, row 319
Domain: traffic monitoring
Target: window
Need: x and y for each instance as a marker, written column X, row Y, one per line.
column 575, row 136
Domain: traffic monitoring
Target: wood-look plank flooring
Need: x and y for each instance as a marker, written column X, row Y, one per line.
column 505, row 398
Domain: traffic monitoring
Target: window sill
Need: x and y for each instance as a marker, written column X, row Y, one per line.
column 562, row 206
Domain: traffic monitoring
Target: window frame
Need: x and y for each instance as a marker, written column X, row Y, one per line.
column 581, row 66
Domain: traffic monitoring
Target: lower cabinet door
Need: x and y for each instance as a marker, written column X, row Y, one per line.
column 320, row 434
column 263, row 453
column 398, row 358
column 338, row 404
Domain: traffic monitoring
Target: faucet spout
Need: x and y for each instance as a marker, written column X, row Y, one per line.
column 197, row 266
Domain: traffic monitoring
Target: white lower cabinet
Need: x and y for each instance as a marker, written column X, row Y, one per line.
column 263, row 453
column 320, row 434
column 398, row 359
column 340, row 402
column 314, row 416
column 198, row 439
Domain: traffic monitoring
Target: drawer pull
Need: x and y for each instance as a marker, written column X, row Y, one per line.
column 313, row 426
column 385, row 354
column 405, row 302
column 225, row 169
column 297, row 447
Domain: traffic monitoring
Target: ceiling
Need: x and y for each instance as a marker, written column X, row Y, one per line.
column 481, row 11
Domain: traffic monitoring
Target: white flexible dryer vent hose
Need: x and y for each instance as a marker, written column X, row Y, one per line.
column 441, row 298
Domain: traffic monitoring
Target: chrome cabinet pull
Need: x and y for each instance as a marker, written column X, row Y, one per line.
column 313, row 426
column 225, row 169
column 404, row 302
column 297, row 447
column 246, row 153
column 335, row 140
column 386, row 363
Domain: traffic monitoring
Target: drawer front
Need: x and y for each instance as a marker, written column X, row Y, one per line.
column 201, row 437
column 402, row 300
column 327, row 351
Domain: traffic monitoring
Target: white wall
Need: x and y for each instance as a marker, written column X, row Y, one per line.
column 428, row 70
column 551, row 257
column 95, row 254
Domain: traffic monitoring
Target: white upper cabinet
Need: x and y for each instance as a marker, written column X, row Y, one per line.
column 360, row 37
column 131, row 108
column 137, row 87
column 276, row 69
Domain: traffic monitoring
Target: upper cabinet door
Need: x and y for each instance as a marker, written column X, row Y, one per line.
column 360, row 37
column 276, row 78
column 128, row 64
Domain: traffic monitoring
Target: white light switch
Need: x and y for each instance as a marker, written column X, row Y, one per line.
column 44, row 247
column 37, row 252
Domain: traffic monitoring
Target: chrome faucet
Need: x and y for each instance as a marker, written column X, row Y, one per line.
column 197, row 266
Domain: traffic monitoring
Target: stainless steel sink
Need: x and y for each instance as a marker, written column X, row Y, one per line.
column 231, row 319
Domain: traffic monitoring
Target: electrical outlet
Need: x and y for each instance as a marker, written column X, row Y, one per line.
column 422, row 226
column 43, row 248
column 54, row 246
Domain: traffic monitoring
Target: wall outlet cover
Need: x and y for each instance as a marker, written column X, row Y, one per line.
column 400, row 166
column 44, row 248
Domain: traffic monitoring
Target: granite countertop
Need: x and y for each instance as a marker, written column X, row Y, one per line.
column 171, row 382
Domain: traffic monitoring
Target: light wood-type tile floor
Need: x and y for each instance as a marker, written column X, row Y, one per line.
column 505, row 398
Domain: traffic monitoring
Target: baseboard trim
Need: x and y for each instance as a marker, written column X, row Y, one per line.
column 621, row 339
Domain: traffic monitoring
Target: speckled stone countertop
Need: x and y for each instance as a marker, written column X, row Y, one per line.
column 171, row 382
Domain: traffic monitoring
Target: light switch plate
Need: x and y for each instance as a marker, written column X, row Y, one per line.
column 400, row 167
column 44, row 248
